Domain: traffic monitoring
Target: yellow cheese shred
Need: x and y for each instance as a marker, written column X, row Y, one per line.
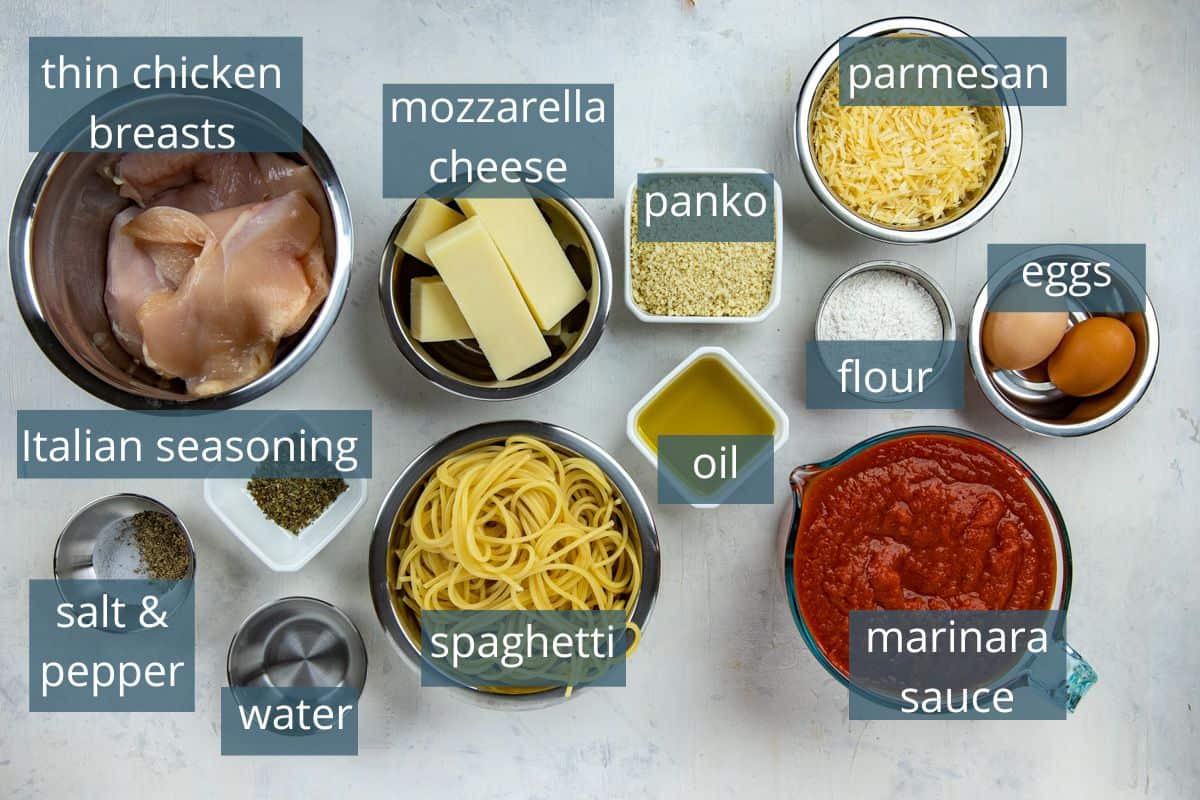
column 905, row 166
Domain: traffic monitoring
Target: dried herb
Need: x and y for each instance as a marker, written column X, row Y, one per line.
column 161, row 544
column 294, row 503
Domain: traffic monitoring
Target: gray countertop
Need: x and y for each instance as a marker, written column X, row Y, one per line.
column 723, row 698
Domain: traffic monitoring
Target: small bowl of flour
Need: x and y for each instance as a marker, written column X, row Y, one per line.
column 895, row 317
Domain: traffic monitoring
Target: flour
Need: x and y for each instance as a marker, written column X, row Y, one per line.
column 879, row 305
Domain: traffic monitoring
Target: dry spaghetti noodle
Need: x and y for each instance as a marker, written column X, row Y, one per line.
column 518, row 526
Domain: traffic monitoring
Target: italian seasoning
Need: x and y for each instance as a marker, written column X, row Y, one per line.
column 295, row 503
column 161, row 544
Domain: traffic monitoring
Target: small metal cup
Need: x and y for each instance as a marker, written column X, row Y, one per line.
column 945, row 311
column 1008, row 118
column 92, row 532
column 460, row 367
column 297, row 642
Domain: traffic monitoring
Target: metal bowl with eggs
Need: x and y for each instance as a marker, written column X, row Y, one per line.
column 1068, row 372
column 459, row 366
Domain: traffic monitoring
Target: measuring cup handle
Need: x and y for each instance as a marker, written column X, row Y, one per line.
column 1080, row 677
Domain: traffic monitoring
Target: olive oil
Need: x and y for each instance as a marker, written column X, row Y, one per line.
column 706, row 399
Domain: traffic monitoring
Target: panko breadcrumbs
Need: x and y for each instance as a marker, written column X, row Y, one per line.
column 700, row 279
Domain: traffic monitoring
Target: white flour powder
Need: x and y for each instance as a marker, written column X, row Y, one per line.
column 879, row 305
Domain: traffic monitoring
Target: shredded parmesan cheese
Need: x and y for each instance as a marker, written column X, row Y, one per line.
column 906, row 166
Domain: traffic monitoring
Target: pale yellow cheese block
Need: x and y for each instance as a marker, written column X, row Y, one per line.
column 536, row 259
column 427, row 219
column 475, row 273
column 434, row 314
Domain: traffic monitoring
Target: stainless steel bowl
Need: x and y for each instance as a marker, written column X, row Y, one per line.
column 87, row 533
column 89, row 552
column 58, row 258
column 1038, row 406
column 945, row 311
column 459, row 367
column 297, row 642
column 975, row 209
column 400, row 624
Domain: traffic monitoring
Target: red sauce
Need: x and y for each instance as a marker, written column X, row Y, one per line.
column 926, row 521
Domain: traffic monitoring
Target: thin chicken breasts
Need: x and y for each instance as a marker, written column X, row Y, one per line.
column 230, row 256
column 219, row 329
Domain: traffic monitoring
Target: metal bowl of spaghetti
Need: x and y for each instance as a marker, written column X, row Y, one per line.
column 412, row 567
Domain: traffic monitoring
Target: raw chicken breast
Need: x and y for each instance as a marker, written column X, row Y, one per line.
column 206, row 182
column 132, row 277
column 196, row 182
column 282, row 175
column 144, row 175
column 261, row 282
column 170, row 240
column 217, row 181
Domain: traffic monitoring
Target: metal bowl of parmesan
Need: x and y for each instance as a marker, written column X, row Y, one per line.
column 950, row 185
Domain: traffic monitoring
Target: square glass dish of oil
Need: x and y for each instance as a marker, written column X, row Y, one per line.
column 708, row 394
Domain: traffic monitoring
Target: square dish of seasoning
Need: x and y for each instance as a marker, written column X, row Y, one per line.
column 285, row 521
column 703, row 281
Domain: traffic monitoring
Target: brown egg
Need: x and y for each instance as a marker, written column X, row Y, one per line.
column 1021, row 339
column 1093, row 357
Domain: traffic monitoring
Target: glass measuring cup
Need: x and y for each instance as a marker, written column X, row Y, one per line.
column 1079, row 674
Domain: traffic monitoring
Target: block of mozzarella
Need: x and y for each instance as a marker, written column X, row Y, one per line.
column 537, row 261
column 427, row 219
column 434, row 314
column 466, row 258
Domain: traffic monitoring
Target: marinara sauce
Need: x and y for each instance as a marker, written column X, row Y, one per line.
column 926, row 521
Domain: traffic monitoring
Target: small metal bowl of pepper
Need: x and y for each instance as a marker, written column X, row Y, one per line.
column 125, row 537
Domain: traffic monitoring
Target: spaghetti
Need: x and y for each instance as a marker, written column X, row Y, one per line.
column 518, row 526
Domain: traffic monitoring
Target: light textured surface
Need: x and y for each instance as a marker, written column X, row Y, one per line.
column 724, row 699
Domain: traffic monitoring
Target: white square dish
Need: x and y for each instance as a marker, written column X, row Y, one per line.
column 279, row 549
column 725, row 357
column 776, row 281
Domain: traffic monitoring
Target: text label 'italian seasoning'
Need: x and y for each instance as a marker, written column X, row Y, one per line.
column 495, row 140
column 168, row 444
